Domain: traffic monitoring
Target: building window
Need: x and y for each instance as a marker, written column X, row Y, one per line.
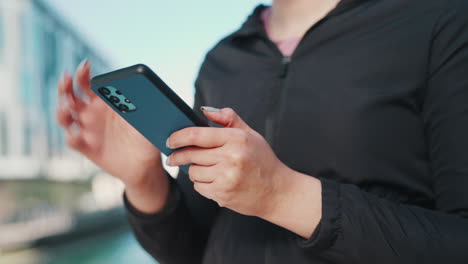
column 3, row 135
column 50, row 55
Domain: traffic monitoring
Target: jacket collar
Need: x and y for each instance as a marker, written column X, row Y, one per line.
column 254, row 25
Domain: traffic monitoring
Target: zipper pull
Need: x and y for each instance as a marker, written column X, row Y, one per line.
column 285, row 65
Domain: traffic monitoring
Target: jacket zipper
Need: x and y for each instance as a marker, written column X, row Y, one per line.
column 275, row 108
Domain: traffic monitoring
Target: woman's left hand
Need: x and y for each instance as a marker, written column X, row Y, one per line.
column 233, row 165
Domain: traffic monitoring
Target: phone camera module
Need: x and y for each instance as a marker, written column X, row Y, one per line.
column 123, row 108
column 117, row 99
column 114, row 99
column 104, row 91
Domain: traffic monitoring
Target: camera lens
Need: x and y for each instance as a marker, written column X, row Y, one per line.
column 104, row 90
column 127, row 101
column 118, row 92
column 114, row 99
column 123, row 108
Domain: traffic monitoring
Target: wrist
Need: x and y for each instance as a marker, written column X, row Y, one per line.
column 296, row 204
column 279, row 191
column 150, row 194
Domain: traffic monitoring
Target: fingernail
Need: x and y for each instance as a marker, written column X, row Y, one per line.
column 66, row 75
column 167, row 143
column 168, row 161
column 209, row 109
column 83, row 63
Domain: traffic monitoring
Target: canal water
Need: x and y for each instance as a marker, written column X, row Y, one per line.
column 116, row 247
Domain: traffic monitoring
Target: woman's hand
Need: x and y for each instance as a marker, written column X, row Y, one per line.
column 233, row 166
column 105, row 138
column 236, row 167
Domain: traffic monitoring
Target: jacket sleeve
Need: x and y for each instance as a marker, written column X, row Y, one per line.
column 358, row 227
column 179, row 233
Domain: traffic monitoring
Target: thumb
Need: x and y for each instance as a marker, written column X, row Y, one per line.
column 225, row 117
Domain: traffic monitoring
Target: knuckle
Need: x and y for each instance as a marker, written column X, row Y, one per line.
column 187, row 153
column 174, row 158
column 231, row 180
column 183, row 156
column 193, row 133
column 191, row 173
column 184, row 137
column 243, row 138
column 229, row 112
column 235, row 155
column 230, row 115
column 238, row 157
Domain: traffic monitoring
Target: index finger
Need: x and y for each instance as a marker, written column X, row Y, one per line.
column 83, row 78
column 205, row 137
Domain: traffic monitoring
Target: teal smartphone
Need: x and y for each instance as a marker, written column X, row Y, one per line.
column 138, row 95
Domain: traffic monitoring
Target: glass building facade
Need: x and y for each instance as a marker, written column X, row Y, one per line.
column 36, row 46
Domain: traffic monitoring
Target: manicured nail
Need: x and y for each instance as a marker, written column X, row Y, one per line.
column 209, row 109
column 67, row 74
column 167, row 143
column 83, row 63
column 168, row 161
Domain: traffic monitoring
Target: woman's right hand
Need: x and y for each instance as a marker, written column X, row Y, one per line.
column 105, row 138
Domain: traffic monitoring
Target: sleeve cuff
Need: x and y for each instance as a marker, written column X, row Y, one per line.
column 169, row 208
column 327, row 231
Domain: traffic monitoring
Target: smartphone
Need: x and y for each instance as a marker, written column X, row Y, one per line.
column 140, row 97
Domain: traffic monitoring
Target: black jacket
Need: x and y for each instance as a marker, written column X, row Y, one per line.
column 374, row 102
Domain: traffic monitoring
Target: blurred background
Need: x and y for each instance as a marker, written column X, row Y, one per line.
column 56, row 206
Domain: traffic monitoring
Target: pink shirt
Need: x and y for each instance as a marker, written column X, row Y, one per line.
column 286, row 46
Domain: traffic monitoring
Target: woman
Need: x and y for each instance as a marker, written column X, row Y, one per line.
column 351, row 148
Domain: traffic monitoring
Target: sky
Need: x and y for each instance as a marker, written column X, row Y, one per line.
column 170, row 36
